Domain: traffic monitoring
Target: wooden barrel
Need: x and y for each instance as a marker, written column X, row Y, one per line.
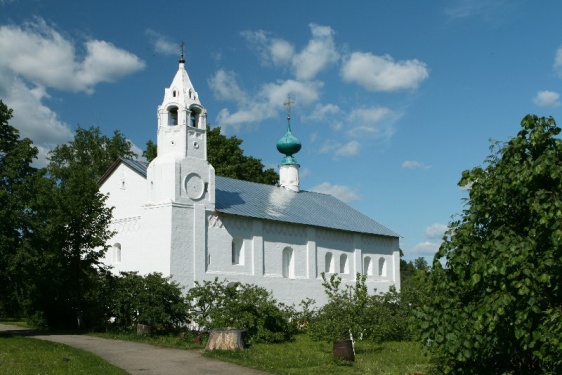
column 343, row 349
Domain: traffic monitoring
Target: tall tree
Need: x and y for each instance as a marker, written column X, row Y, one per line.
column 72, row 230
column 496, row 306
column 16, row 189
column 228, row 159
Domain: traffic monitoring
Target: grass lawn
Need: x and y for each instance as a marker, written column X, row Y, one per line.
column 22, row 355
column 304, row 356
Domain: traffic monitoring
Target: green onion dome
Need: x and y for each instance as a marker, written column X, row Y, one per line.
column 289, row 145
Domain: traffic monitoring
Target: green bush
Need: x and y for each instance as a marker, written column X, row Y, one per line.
column 351, row 311
column 245, row 306
column 150, row 299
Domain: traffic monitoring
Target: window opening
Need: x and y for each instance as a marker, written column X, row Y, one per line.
column 367, row 266
column 237, row 251
column 173, row 116
column 343, row 264
column 329, row 267
column 382, row 267
column 288, row 263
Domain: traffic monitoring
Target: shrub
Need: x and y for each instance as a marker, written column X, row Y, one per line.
column 246, row 306
column 351, row 311
column 150, row 299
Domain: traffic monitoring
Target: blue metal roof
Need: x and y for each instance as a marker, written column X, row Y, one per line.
column 268, row 202
column 138, row 166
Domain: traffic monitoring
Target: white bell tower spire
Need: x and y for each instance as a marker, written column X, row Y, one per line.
column 181, row 112
column 181, row 172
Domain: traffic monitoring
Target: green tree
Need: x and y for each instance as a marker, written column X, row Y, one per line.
column 16, row 189
column 71, row 229
column 91, row 152
column 151, row 151
column 496, row 305
column 228, row 159
column 151, row 299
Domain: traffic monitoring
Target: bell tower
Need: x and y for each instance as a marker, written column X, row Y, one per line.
column 181, row 172
column 182, row 119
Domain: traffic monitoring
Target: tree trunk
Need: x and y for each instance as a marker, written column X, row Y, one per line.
column 144, row 329
column 225, row 339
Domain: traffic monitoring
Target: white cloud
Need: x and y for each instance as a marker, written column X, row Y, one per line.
column 35, row 57
column 376, row 122
column 343, row 193
column 281, row 51
column 161, row 43
column 43, row 56
column 476, row 8
column 547, row 99
column 224, row 86
column 558, row 62
column 412, row 164
column 317, row 55
column 348, row 149
column 425, row 249
column 436, row 230
column 41, row 125
column 323, row 112
column 263, row 105
column 382, row 73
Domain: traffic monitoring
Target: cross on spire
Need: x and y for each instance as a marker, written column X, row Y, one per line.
column 182, row 60
column 288, row 104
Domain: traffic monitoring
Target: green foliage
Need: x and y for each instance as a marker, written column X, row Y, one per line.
column 53, row 227
column 151, row 151
column 245, row 306
column 228, row 159
column 90, row 152
column 496, row 305
column 17, row 178
column 352, row 311
column 63, row 253
column 150, row 299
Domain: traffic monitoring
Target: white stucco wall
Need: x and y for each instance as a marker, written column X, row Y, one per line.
column 262, row 262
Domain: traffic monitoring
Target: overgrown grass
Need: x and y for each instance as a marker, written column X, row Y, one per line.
column 22, row 356
column 304, row 356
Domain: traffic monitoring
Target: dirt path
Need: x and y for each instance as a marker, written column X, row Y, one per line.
column 138, row 358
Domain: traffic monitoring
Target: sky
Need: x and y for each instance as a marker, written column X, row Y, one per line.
column 393, row 99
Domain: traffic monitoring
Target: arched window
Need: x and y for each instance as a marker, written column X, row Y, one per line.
column 194, row 113
column 117, row 253
column 329, row 264
column 173, row 116
column 382, row 267
column 237, row 251
column 368, row 266
column 174, row 93
column 288, row 263
column 344, row 268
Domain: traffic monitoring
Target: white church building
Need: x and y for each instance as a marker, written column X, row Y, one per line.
column 174, row 216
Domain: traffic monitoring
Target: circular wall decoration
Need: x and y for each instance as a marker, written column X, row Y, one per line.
column 194, row 186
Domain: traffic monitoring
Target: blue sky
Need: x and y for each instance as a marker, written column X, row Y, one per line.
column 393, row 99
